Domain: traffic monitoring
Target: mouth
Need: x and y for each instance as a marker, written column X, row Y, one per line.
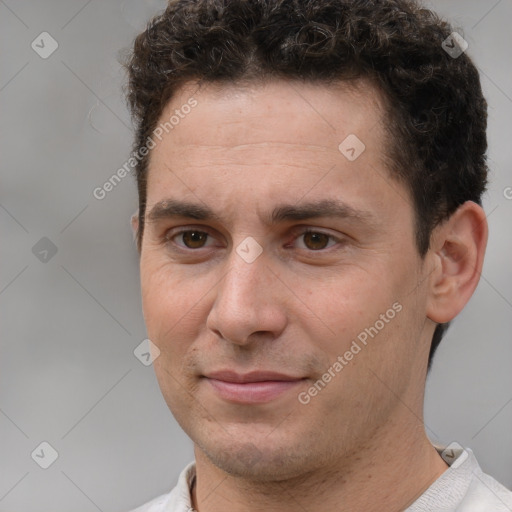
column 251, row 388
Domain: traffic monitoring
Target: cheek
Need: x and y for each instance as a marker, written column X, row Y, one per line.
column 349, row 302
column 162, row 303
column 173, row 306
column 364, row 316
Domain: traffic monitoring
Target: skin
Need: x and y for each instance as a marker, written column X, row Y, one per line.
column 360, row 444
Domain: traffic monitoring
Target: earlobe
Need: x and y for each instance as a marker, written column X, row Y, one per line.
column 458, row 249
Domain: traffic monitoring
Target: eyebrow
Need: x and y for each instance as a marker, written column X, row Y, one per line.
column 171, row 208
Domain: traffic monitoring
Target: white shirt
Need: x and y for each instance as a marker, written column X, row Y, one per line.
column 463, row 487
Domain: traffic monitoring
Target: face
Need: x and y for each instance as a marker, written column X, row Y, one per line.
column 272, row 252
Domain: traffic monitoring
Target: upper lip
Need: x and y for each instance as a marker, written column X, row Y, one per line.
column 255, row 376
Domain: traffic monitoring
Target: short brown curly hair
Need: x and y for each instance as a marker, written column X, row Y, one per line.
column 437, row 114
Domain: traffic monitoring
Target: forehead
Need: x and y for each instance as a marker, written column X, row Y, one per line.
column 272, row 139
column 282, row 111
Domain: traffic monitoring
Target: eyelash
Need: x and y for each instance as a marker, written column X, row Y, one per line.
column 168, row 238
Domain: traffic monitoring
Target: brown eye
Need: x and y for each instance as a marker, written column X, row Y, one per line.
column 313, row 240
column 316, row 241
column 194, row 239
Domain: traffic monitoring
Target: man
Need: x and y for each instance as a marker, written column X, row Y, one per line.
column 310, row 178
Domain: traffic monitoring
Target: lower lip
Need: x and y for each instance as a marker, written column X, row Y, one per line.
column 252, row 392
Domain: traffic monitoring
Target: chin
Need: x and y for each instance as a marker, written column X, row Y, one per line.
column 258, row 461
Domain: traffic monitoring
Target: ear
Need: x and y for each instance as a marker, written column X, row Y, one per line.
column 457, row 250
column 135, row 224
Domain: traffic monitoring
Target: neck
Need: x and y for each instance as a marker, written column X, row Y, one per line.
column 389, row 472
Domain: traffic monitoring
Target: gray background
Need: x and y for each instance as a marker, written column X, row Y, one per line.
column 70, row 325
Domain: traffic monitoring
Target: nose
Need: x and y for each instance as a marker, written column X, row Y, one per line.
column 250, row 302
